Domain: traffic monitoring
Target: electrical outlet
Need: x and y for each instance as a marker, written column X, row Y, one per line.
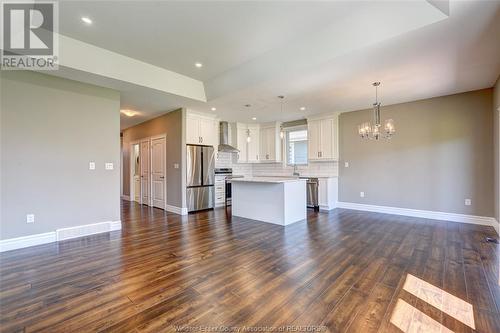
column 362, row 194
column 468, row 202
column 108, row 166
column 30, row 218
column 91, row 165
column 346, row 164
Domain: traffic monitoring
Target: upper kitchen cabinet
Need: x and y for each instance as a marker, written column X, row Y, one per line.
column 253, row 143
column 323, row 138
column 240, row 132
column 201, row 129
column 270, row 143
column 247, row 141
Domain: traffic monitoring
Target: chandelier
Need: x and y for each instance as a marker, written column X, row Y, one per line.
column 374, row 132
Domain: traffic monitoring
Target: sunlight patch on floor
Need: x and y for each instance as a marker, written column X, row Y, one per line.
column 411, row 320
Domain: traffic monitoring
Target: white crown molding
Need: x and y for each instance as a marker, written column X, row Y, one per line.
column 59, row 235
column 427, row 214
column 176, row 210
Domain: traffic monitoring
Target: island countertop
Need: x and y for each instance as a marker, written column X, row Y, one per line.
column 275, row 180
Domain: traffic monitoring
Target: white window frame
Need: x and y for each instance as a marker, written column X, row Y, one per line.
column 285, row 144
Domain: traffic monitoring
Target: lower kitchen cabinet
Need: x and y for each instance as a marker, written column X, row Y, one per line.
column 220, row 191
column 328, row 193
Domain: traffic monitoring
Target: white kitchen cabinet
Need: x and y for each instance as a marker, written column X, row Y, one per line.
column 328, row 193
column 322, row 139
column 241, row 142
column 254, row 144
column 201, row 130
column 192, row 130
column 220, row 191
column 313, row 139
column 270, row 143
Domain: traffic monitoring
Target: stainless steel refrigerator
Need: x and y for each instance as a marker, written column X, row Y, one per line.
column 200, row 177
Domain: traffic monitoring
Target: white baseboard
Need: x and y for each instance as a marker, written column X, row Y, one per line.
column 427, row 214
column 126, row 197
column 176, row 210
column 87, row 229
column 496, row 225
column 26, row 241
column 59, row 235
column 326, row 208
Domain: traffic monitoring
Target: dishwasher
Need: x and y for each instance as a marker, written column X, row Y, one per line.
column 312, row 193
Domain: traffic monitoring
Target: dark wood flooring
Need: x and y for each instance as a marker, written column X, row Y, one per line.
column 339, row 271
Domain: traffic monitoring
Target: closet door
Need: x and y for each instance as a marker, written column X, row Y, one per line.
column 158, row 180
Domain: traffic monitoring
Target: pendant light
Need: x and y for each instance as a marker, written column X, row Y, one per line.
column 282, row 133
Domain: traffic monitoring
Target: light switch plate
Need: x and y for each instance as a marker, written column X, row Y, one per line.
column 30, row 218
column 91, row 165
column 468, row 202
column 176, row 165
column 362, row 194
column 108, row 166
column 346, row 164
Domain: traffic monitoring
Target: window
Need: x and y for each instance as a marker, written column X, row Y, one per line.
column 296, row 146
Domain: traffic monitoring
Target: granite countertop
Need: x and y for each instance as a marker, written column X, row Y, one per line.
column 275, row 180
column 300, row 176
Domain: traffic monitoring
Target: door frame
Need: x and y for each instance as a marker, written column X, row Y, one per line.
column 131, row 176
column 131, row 169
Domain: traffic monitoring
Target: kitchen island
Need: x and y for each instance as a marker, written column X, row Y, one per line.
column 269, row 199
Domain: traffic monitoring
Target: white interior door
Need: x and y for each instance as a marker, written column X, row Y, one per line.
column 145, row 172
column 158, row 188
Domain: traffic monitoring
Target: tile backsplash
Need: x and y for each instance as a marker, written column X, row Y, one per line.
column 319, row 169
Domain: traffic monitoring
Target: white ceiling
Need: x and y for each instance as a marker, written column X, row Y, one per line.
column 322, row 55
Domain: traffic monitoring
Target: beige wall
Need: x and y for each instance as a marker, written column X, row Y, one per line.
column 441, row 154
column 51, row 128
column 170, row 124
column 496, row 143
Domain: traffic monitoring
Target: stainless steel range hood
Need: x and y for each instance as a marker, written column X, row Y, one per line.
column 224, row 145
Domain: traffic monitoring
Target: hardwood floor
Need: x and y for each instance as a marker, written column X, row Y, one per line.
column 339, row 271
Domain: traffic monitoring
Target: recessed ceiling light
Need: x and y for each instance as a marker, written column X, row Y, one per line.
column 198, row 64
column 213, row 108
column 248, row 105
column 253, row 118
column 129, row 113
column 302, row 108
column 87, row 20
